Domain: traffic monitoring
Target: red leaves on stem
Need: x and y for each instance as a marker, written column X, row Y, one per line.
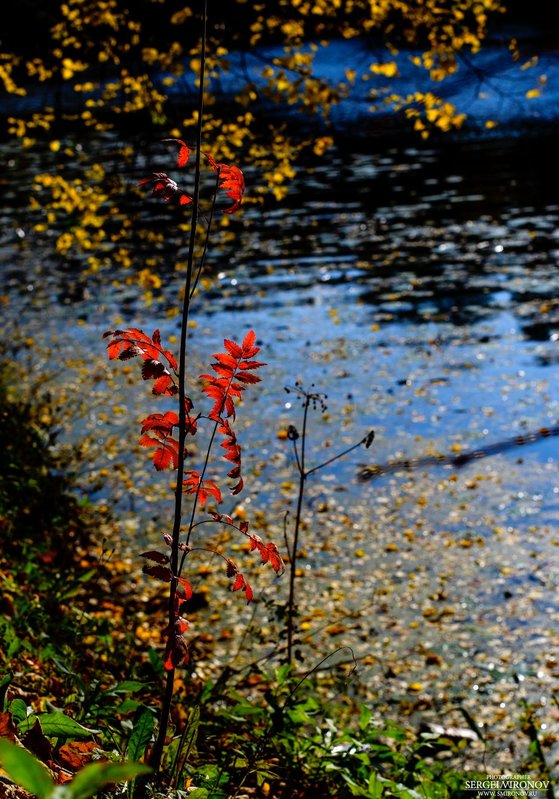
column 193, row 484
column 165, row 187
column 231, row 180
column 232, row 369
column 166, row 447
column 269, row 552
column 133, row 343
column 184, row 152
column 240, row 584
column 233, row 454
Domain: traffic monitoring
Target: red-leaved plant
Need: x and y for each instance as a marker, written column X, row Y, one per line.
column 233, row 371
column 166, row 432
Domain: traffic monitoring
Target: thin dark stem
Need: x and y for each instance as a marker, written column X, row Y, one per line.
column 202, row 475
column 157, row 751
column 206, row 240
column 285, row 537
column 295, row 543
column 296, row 451
column 334, row 458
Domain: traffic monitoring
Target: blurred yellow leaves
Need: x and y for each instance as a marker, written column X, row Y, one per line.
column 389, row 69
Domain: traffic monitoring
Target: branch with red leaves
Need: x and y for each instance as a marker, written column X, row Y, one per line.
column 134, row 343
column 233, row 369
column 230, row 179
column 269, row 552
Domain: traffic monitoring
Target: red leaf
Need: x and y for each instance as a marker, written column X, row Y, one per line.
column 246, row 377
column 161, row 423
column 185, row 587
column 250, row 364
column 181, row 626
column 134, row 342
column 268, row 552
column 183, row 153
column 249, row 340
column 239, row 487
column 232, row 454
column 240, row 584
column 176, row 652
column 152, row 369
column 153, row 554
column 165, row 385
column 167, row 452
column 226, row 360
column 164, row 457
column 161, row 572
column 223, row 389
column 231, row 180
column 193, row 484
column 165, row 187
column 233, row 348
column 275, row 558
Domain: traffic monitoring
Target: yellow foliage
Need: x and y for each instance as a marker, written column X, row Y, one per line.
column 69, row 67
column 148, row 279
column 322, row 144
column 389, row 69
column 106, row 37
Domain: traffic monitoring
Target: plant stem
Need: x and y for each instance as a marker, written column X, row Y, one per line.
column 293, row 553
column 157, row 751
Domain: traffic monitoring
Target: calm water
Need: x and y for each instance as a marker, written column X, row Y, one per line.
column 423, row 282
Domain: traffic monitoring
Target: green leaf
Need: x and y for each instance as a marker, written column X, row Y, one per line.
column 141, row 734
column 198, row 793
column 282, row 673
column 18, row 709
column 129, row 706
column 364, row 717
column 93, row 777
column 127, row 686
column 25, row 770
column 58, row 725
column 191, row 735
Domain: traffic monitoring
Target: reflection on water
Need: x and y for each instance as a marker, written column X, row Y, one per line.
column 421, row 281
column 424, row 264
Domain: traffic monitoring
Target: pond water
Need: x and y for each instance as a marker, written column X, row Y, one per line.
column 418, row 287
